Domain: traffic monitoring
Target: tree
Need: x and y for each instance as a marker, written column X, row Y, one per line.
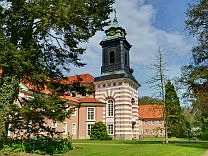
column 39, row 40
column 99, row 132
column 195, row 75
column 148, row 100
column 189, row 114
column 195, row 78
column 175, row 119
column 158, row 84
column 197, row 25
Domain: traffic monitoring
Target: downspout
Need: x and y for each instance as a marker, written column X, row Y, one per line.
column 78, row 120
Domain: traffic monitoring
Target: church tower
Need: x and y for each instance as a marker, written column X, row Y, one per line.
column 116, row 86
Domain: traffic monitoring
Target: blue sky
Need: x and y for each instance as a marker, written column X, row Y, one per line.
column 170, row 14
column 149, row 24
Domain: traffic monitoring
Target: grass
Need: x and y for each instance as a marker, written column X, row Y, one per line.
column 149, row 147
column 134, row 148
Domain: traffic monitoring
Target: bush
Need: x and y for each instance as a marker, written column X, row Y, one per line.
column 99, row 132
column 204, row 136
column 37, row 145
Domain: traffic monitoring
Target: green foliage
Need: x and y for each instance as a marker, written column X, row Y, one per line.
column 32, row 118
column 39, row 40
column 8, row 90
column 174, row 116
column 204, row 136
column 30, row 27
column 189, row 115
column 195, row 75
column 99, row 132
column 197, row 25
column 37, row 146
column 148, row 100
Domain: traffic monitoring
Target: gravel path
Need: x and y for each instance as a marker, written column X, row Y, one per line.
column 205, row 154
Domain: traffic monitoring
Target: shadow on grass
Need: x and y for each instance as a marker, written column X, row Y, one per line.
column 196, row 145
column 161, row 142
column 140, row 142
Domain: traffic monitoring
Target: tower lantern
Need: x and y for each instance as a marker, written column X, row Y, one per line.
column 116, row 86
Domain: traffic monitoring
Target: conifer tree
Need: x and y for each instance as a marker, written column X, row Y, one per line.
column 175, row 119
column 39, row 40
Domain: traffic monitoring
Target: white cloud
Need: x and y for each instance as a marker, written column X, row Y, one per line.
column 137, row 18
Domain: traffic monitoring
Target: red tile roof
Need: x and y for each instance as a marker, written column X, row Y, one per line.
column 30, row 86
column 83, row 79
column 152, row 111
column 89, row 100
column 70, row 98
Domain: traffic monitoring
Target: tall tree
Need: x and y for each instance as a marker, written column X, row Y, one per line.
column 41, row 39
column 148, row 100
column 175, row 119
column 157, row 83
column 197, row 25
column 195, row 75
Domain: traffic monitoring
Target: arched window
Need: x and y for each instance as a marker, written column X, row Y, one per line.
column 132, row 101
column 112, row 57
column 110, row 106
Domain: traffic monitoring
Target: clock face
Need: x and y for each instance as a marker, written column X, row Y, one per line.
column 112, row 32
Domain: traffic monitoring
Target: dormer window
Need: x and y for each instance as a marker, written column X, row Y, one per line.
column 112, row 57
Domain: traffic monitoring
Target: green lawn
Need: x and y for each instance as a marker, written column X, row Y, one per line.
column 134, row 148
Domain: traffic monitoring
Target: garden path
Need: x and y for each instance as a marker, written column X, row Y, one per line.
column 205, row 154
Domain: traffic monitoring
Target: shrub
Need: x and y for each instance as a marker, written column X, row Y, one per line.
column 37, row 145
column 99, row 132
column 204, row 136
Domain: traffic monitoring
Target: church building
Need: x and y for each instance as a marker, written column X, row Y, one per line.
column 116, row 86
column 115, row 101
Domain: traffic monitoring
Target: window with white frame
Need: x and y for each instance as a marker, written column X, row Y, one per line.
column 74, row 128
column 110, row 129
column 110, row 106
column 28, row 126
column 90, row 113
column 54, row 126
column 9, row 132
column 153, row 122
column 89, row 128
column 161, row 131
column 64, row 128
column 160, row 122
column 74, row 112
column 42, row 130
